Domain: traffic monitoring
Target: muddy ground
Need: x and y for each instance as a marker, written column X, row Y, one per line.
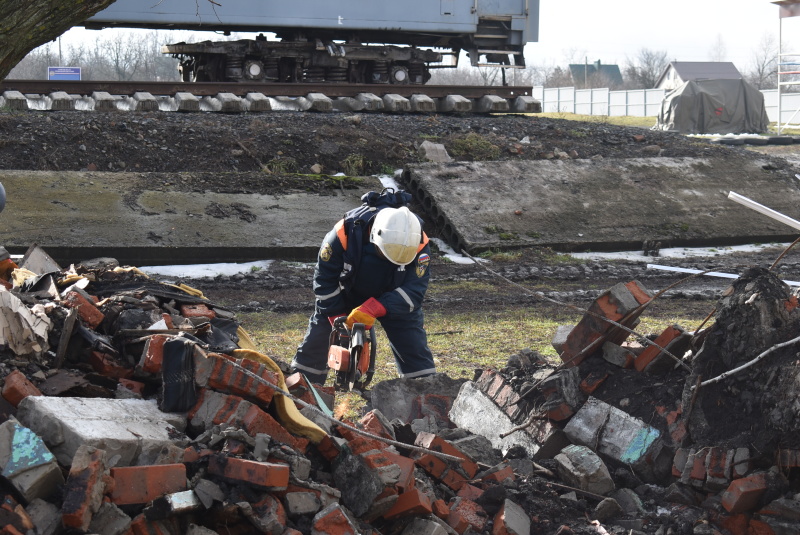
column 268, row 153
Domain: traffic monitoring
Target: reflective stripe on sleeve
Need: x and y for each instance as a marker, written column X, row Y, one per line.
column 406, row 298
column 328, row 296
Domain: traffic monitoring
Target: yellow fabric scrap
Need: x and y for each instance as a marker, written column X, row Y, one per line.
column 20, row 275
column 130, row 269
column 189, row 290
column 245, row 342
column 289, row 416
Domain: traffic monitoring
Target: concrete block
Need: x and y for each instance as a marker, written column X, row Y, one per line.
column 455, row 104
column 14, row 100
column 61, row 101
column 629, row 501
column 477, row 413
column 187, row 102
column 318, row 102
column 560, row 337
column 301, row 503
column 17, row 387
column 228, row 103
column 433, row 152
column 134, row 429
column 110, row 520
column 347, row 104
column 360, row 485
column 421, row 526
column 27, row 463
column 257, row 102
column 85, row 487
column 370, row 101
column 492, row 104
column 396, row 103
column 611, row 432
column 402, row 398
column 104, row 101
column 144, row 101
column 526, row 104
column 333, row 520
column 45, row 516
column 143, row 484
column 267, row 515
column 618, row 355
column 580, row 467
column 511, row 519
column 422, row 104
column 208, row 492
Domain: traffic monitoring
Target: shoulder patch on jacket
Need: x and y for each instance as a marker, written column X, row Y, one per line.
column 325, row 252
column 422, row 264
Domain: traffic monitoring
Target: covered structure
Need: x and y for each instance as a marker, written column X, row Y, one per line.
column 713, row 107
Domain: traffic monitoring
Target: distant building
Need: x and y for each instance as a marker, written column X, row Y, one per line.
column 678, row 72
column 588, row 75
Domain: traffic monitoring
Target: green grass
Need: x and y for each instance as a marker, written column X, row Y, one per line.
column 461, row 342
column 644, row 122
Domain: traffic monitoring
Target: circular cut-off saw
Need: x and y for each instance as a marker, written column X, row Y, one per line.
column 351, row 355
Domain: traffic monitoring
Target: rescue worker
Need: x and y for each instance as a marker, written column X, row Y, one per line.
column 389, row 286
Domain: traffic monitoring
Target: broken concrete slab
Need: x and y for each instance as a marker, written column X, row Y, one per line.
column 131, row 431
column 582, row 468
column 130, row 217
column 410, row 399
column 601, row 204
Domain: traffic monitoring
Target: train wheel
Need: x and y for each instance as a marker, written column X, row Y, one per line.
column 399, row 75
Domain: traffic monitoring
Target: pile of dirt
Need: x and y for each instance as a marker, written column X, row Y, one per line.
column 357, row 144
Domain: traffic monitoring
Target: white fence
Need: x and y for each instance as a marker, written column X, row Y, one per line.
column 642, row 102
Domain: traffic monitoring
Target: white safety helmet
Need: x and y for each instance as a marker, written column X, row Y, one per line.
column 397, row 233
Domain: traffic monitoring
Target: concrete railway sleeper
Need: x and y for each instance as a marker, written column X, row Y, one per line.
column 22, row 95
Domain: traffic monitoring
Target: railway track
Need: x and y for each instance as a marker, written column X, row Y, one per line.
column 229, row 97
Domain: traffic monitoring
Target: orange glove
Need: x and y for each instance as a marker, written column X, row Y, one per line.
column 366, row 313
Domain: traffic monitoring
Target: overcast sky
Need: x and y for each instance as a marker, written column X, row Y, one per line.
column 614, row 30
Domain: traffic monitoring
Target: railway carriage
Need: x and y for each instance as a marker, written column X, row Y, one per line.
column 355, row 41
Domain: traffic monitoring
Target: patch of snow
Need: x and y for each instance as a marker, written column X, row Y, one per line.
column 678, row 252
column 450, row 254
column 198, row 271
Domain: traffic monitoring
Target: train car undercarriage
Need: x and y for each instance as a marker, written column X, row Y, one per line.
column 301, row 61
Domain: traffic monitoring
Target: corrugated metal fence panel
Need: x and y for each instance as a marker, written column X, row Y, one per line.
column 642, row 102
column 591, row 101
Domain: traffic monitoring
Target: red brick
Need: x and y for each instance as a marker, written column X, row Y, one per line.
column 411, row 502
column 257, row 421
column 431, row 464
column 130, row 385
column 470, row 511
column 495, row 386
column 789, row 458
column 651, row 352
column 698, row 469
column 592, row 382
column 227, row 376
column 271, row 507
column 735, row 524
column 142, row 526
column 198, row 310
column 715, row 463
column 142, row 484
column 500, row 475
column 434, row 405
column 87, row 311
column 153, row 354
column 229, row 409
column 192, row 454
column 435, row 443
column 257, row 474
column 334, row 522
column 743, row 495
column 440, row 509
column 758, row 527
column 560, row 412
column 374, row 425
column 456, row 520
column 328, row 448
column 470, row 492
column 406, row 480
column 84, row 489
column 679, row 461
column 486, row 378
column 454, row 480
column 17, row 387
column 678, row 432
column 109, row 366
column 638, row 292
column 297, row 386
column 10, row 530
column 358, row 443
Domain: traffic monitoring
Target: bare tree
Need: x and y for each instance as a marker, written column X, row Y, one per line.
column 718, row 51
column 763, row 68
column 643, row 71
column 26, row 24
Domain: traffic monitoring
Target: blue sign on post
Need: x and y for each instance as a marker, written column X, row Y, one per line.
column 63, row 73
